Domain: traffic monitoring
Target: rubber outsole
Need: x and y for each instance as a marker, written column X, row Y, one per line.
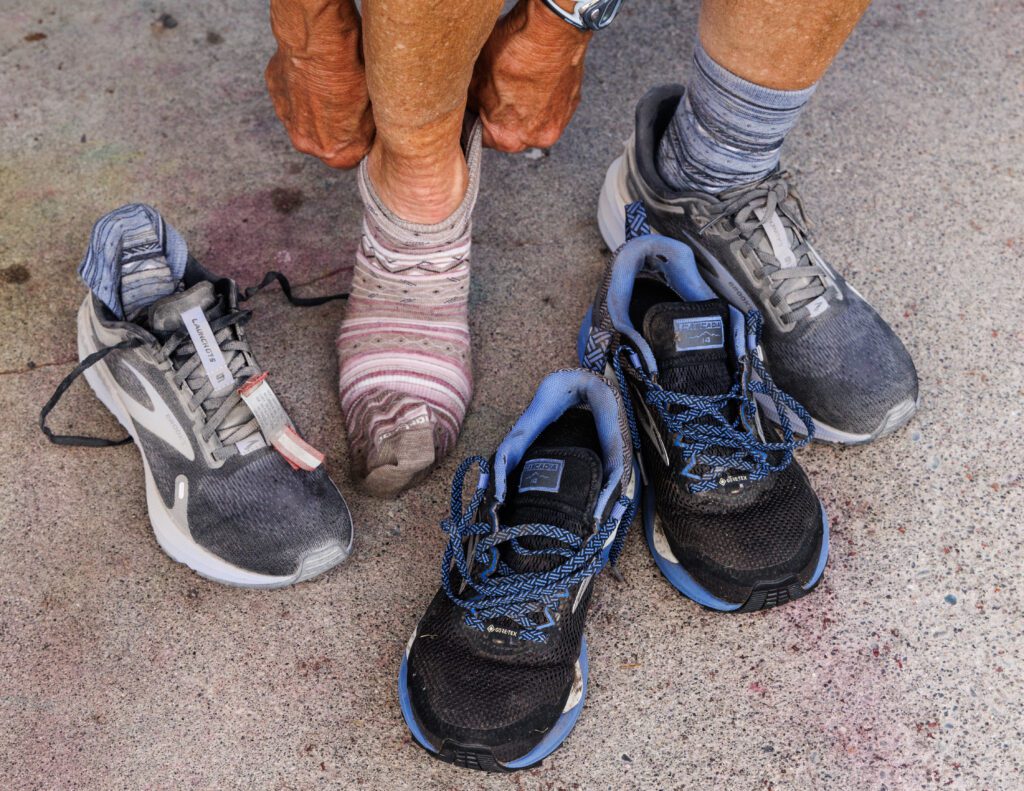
column 481, row 757
column 611, row 220
column 174, row 541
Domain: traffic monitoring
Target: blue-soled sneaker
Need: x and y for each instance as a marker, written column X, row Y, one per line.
column 731, row 519
column 495, row 674
column 823, row 343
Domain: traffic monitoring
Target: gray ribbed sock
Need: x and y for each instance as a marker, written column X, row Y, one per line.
column 726, row 131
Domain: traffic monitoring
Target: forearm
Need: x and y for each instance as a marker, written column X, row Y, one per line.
column 307, row 29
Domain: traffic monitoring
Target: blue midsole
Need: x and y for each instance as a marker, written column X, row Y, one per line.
column 686, row 584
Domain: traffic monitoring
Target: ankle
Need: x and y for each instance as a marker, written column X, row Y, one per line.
column 424, row 189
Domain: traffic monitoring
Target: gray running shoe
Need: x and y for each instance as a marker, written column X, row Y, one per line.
column 823, row 343
column 233, row 491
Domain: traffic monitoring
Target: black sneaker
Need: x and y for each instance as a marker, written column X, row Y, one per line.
column 823, row 343
column 731, row 519
column 233, row 491
column 495, row 673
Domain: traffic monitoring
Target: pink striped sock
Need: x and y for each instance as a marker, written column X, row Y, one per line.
column 405, row 374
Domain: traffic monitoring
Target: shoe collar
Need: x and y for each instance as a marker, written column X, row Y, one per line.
column 557, row 393
column 674, row 261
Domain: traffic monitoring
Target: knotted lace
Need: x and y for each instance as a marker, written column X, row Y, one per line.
column 712, row 444
column 797, row 285
column 490, row 588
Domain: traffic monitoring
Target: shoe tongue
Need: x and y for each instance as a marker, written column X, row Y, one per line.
column 690, row 342
column 552, row 486
column 165, row 315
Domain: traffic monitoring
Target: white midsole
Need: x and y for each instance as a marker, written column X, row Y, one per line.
column 177, row 543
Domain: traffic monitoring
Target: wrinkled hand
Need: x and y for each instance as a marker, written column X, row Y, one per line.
column 527, row 81
column 317, row 81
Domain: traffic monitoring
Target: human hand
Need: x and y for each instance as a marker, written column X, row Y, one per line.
column 527, row 81
column 316, row 79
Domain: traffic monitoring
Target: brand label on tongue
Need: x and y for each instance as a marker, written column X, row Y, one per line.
column 777, row 238
column 702, row 332
column 542, row 475
column 209, row 352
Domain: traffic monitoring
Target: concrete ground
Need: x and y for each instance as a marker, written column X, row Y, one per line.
column 120, row 669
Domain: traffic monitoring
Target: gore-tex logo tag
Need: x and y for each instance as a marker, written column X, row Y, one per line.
column 703, row 332
column 542, row 475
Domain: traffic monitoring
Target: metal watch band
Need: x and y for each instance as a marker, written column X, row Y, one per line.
column 587, row 14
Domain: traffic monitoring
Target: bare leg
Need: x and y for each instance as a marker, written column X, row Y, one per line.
column 419, row 60
column 780, row 44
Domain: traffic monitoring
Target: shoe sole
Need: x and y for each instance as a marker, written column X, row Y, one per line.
column 481, row 757
column 611, row 220
column 178, row 545
column 762, row 596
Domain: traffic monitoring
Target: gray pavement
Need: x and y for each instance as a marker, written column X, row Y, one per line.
column 120, row 669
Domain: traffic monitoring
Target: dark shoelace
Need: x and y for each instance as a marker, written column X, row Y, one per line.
column 711, row 443
column 179, row 345
column 497, row 590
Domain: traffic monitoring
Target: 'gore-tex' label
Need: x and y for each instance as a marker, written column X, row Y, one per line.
column 208, row 349
column 542, row 475
column 702, row 332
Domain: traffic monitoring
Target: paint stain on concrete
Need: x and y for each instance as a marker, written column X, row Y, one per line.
column 213, row 37
column 253, row 233
column 14, row 274
column 286, row 200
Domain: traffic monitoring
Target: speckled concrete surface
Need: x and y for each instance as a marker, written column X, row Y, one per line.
column 119, row 669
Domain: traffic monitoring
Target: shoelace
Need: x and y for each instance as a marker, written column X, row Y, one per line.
column 795, row 286
column 712, row 444
column 500, row 591
column 226, row 414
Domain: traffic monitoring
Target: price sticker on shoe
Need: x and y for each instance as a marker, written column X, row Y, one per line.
column 277, row 426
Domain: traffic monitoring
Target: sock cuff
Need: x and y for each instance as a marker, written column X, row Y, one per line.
column 455, row 225
column 727, row 82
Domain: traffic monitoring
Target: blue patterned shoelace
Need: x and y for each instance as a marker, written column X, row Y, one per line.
column 490, row 587
column 712, row 444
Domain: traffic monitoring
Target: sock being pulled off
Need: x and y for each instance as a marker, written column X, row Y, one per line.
column 405, row 374
column 726, row 131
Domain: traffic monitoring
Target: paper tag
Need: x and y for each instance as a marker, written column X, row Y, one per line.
column 277, row 426
column 207, row 348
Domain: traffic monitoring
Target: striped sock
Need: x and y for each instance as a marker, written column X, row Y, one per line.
column 405, row 374
column 726, row 131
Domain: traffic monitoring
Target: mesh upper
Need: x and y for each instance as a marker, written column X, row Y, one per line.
column 482, row 688
column 846, row 367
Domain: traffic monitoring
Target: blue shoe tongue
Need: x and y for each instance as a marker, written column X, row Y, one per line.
column 690, row 342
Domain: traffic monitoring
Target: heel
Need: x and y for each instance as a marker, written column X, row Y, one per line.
column 611, row 205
